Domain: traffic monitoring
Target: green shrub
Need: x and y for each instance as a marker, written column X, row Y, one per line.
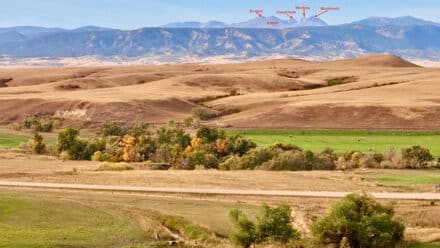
column 240, row 145
column 97, row 156
column 172, row 136
column 297, row 160
column 416, row 157
column 45, row 124
column 245, row 234
column 38, row 146
column 168, row 154
column 325, row 160
column 66, row 139
column 29, row 122
column 273, row 226
column 202, row 113
column 101, row 156
column 139, row 129
column 210, row 135
column 202, row 158
column 230, row 163
column 78, row 149
column 361, row 221
column 255, row 158
column 145, row 147
column 349, row 160
column 188, row 122
column 112, row 129
column 292, row 161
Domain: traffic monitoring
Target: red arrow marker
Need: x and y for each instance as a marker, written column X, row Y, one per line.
column 288, row 13
column 304, row 9
column 326, row 10
column 258, row 12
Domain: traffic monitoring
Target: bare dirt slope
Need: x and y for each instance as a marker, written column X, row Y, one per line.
column 377, row 92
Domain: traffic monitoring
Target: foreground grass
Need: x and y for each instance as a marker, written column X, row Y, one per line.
column 36, row 222
column 215, row 215
column 424, row 246
column 341, row 141
column 54, row 219
column 51, row 219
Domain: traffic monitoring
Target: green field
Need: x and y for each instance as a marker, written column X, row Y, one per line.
column 409, row 179
column 87, row 220
column 36, row 222
column 10, row 140
column 340, row 141
column 405, row 180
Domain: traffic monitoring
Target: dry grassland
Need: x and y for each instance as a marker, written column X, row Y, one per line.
column 376, row 92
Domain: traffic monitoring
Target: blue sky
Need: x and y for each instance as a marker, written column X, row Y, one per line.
column 129, row 14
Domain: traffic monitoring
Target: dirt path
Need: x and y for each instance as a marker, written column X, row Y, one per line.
column 312, row 194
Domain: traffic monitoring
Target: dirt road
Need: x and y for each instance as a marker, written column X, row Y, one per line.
column 312, row 194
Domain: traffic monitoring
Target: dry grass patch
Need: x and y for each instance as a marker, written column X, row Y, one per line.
column 114, row 167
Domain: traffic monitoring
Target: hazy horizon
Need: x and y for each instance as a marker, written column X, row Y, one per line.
column 188, row 21
column 132, row 14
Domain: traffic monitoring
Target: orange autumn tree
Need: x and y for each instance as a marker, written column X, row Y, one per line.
column 196, row 143
column 128, row 143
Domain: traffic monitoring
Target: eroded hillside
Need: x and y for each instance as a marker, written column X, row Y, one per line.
column 377, row 92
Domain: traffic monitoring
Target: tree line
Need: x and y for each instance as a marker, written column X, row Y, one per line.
column 210, row 148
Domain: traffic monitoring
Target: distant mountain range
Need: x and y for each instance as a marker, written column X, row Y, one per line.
column 399, row 21
column 258, row 22
column 408, row 37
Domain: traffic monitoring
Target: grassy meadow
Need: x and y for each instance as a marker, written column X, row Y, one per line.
column 44, row 222
column 340, row 141
column 88, row 220
column 11, row 140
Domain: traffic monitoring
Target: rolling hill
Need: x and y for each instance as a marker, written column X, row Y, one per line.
column 374, row 92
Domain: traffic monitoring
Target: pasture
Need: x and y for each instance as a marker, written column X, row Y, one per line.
column 342, row 141
column 10, row 140
column 43, row 222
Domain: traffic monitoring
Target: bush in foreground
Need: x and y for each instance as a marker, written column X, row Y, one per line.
column 360, row 222
column 273, row 226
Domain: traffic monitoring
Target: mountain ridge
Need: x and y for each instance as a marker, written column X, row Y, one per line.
column 171, row 43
